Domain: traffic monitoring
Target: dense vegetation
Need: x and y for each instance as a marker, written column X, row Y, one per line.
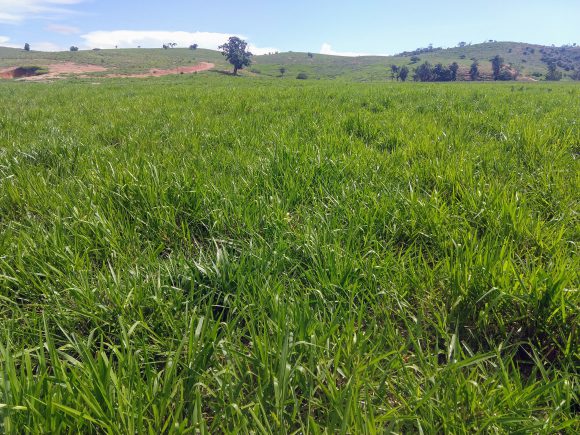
column 223, row 254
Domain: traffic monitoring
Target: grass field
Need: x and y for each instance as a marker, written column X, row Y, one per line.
column 215, row 254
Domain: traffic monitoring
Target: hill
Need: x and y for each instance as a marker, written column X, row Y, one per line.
column 530, row 60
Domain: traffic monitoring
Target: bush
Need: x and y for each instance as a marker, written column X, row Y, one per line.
column 302, row 76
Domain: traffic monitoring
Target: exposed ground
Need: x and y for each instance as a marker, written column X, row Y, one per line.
column 66, row 69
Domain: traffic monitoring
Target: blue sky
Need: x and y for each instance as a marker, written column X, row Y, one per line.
column 332, row 27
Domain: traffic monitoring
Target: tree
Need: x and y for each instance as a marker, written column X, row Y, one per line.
column 282, row 71
column 553, row 73
column 310, row 55
column 193, row 47
column 423, row 73
column 395, row 72
column 474, row 70
column 73, row 48
column 235, row 52
column 462, row 44
column 27, row 46
column 496, row 64
column 454, row 67
column 403, row 73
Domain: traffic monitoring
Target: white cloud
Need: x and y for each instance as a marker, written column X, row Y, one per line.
column 4, row 39
column 327, row 49
column 156, row 38
column 16, row 11
column 62, row 29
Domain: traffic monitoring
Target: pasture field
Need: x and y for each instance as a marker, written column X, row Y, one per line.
column 209, row 254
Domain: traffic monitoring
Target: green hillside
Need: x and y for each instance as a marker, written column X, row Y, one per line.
column 530, row 60
column 526, row 58
column 129, row 61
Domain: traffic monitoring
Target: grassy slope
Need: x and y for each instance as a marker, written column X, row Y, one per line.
column 237, row 255
column 119, row 61
column 375, row 68
column 369, row 68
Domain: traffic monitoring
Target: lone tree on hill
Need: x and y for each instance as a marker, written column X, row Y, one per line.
column 235, row 52
column 73, row 48
column 27, row 46
column 193, row 47
column 496, row 64
column 403, row 73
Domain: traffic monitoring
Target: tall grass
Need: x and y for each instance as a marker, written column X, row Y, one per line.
column 218, row 255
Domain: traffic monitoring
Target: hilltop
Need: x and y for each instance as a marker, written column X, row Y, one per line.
column 531, row 61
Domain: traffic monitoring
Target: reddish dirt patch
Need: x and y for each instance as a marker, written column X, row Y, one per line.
column 203, row 66
column 55, row 71
column 59, row 70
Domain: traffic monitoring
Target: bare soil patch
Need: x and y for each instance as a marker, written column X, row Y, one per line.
column 59, row 70
column 203, row 66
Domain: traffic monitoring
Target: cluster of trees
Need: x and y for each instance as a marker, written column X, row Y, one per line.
column 428, row 49
column 73, row 48
column 438, row 73
column 399, row 73
column 193, row 46
column 168, row 45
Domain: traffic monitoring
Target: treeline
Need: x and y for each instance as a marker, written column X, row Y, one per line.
column 449, row 73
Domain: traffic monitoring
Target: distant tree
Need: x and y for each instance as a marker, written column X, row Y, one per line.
column 302, row 76
column 27, row 46
column 165, row 46
column 73, row 48
column 403, row 73
column 454, row 67
column 415, row 59
column 496, row 65
column 441, row 73
column 193, row 47
column 395, row 72
column 462, row 44
column 310, row 55
column 282, row 71
column 553, row 74
column 424, row 73
column 173, row 44
column 474, row 70
column 235, row 52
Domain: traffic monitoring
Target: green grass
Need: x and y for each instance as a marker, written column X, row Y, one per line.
column 216, row 254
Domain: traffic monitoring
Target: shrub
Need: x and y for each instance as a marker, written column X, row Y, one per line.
column 302, row 76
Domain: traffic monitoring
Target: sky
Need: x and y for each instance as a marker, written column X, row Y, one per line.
column 342, row 27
